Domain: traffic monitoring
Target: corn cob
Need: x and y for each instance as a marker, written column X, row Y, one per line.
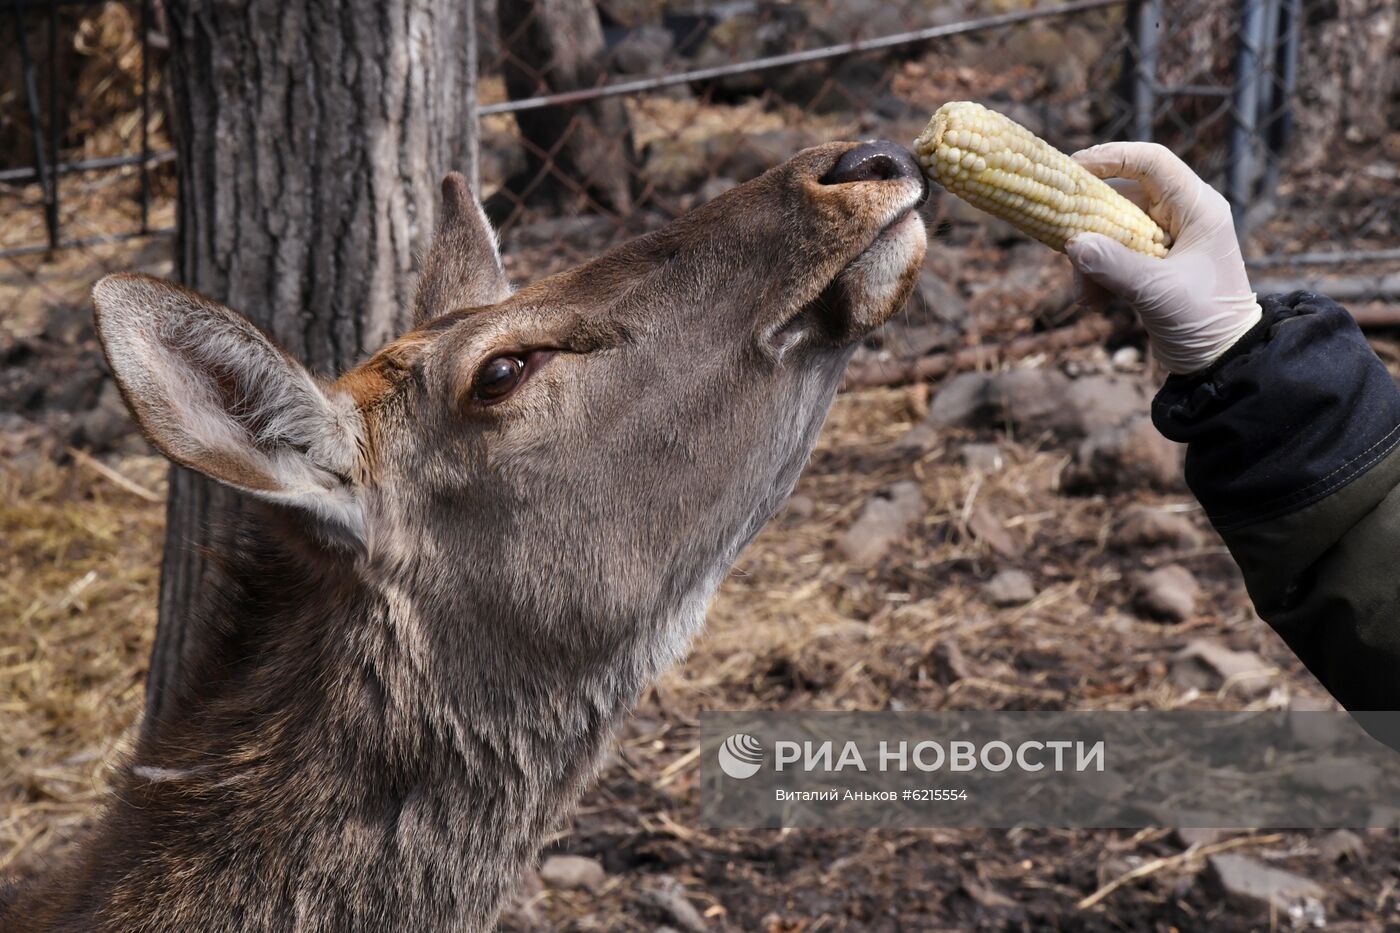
column 999, row 166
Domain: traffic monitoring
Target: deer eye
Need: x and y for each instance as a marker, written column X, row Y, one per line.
column 498, row 378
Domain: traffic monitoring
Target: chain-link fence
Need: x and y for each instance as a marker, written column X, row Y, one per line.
column 1288, row 106
column 598, row 120
column 86, row 175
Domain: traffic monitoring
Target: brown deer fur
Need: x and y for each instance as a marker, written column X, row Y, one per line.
column 425, row 635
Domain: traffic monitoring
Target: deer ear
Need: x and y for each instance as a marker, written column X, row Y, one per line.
column 217, row 395
column 463, row 267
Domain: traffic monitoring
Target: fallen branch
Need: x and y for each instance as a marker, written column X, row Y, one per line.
column 113, row 477
column 937, row 365
column 1172, row 861
column 1377, row 316
column 1338, row 288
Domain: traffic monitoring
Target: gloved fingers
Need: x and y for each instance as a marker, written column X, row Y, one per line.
column 1156, row 166
column 1173, row 190
column 1131, row 189
column 1113, row 266
column 1090, row 294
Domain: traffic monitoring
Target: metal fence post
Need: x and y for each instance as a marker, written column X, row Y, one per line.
column 1279, row 131
column 1268, row 97
column 145, row 116
column 1148, row 20
column 1242, row 137
column 51, row 200
column 45, row 171
column 472, row 102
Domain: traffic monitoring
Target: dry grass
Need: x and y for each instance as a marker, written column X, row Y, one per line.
column 77, row 612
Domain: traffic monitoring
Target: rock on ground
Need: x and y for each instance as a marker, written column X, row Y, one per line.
column 572, row 872
column 1253, row 882
column 1335, row 775
column 919, row 439
column 1197, row 835
column 1034, row 400
column 1131, row 455
column 103, row 426
column 991, row 531
column 1010, row 588
column 1313, row 723
column 1146, row 527
column 799, row 506
column 1342, row 845
column 1168, row 593
column 884, row 521
column 1030, row 399
column 644, row 50
column 938, row 299
column 959, row 401
column 666, row 896
column 1096, row 402
column 1208, row 665
column 985, row 458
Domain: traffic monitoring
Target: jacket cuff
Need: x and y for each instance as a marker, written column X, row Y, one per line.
column 1297, row 408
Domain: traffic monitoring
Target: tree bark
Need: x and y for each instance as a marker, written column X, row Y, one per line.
column 310, row 137
column 576, row 153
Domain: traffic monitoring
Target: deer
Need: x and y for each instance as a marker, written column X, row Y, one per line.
column 468, row 556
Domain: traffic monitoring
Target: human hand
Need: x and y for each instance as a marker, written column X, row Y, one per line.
column 1196, row 302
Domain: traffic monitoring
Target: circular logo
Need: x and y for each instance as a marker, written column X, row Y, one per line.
column 741, row 756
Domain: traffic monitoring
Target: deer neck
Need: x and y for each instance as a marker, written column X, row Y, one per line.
column 353, row 738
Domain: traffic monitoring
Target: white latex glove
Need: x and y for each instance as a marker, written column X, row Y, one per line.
column 1196, row 302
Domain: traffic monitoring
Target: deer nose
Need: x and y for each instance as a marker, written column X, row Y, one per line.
column 880, row 160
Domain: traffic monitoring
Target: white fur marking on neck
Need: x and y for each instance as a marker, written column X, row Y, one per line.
column 157, row 775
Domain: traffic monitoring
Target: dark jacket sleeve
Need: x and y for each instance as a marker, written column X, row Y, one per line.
column 1293, row 448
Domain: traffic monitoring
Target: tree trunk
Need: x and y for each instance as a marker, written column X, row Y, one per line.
column 578, row 153
column 311, row 138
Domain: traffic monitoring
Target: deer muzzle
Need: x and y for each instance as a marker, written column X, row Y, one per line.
column 883, row 186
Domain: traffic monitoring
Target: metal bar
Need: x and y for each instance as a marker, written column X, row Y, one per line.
column 145, row 115
column 1279, row 132
column 1289, row 62
column 41, row 171
column 1194, row 90
column 26, row 176
column 51, row 196
column 1267, row 91
column 841, row 50
column 473, row 102
column 1119, row 97
column 1344, row 288
column 1268, row 47
column 15, row 251
column 1242, row 137
column 1337, row 257
column 18, row 5
column 1149, row 21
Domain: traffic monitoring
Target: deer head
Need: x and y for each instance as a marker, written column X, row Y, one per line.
column 531, row 496
column 588, row 453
